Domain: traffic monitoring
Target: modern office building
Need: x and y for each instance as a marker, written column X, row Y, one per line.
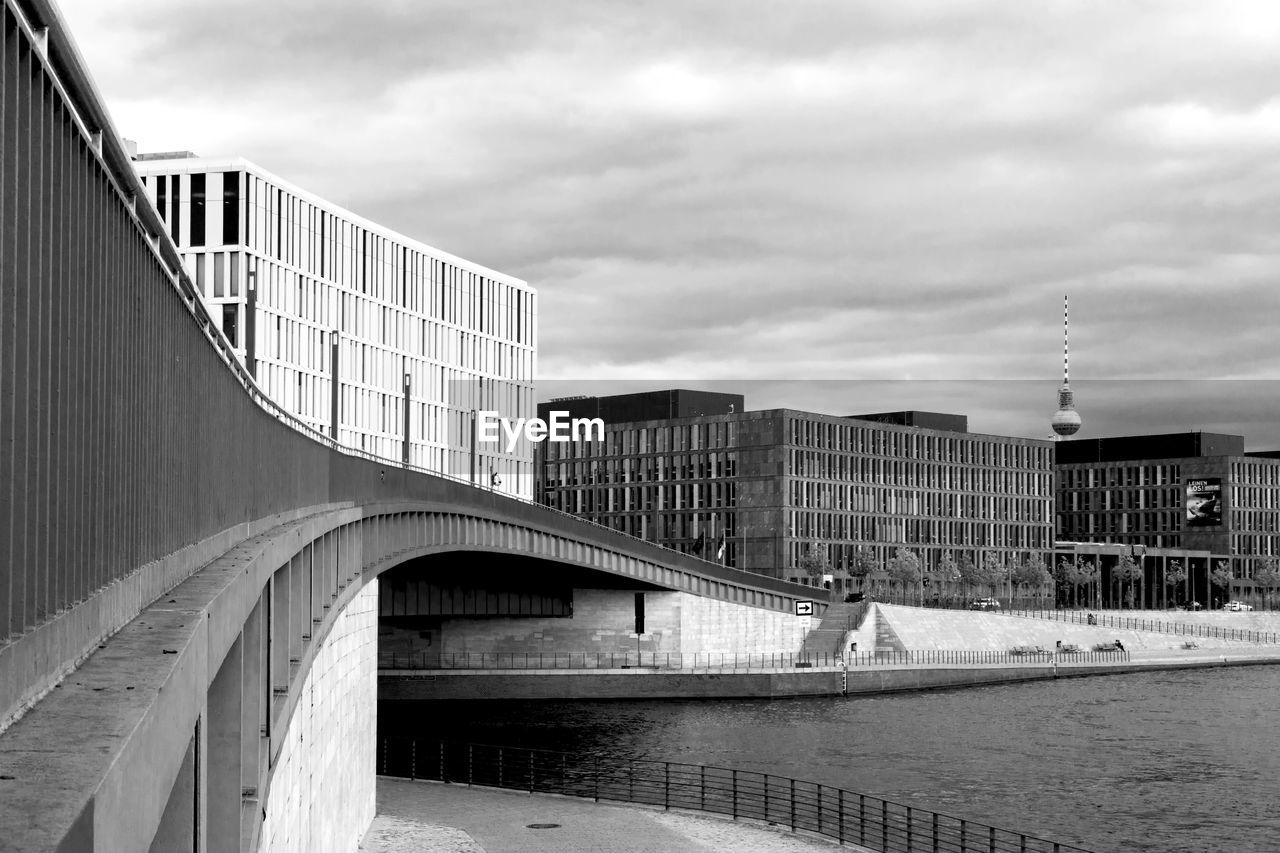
column 354, row 328
column 770, row 486
column 1196, row 491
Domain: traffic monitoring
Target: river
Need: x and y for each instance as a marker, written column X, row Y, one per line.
column 1163, row 761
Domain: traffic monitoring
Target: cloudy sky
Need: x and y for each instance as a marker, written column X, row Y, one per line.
column 752, row 191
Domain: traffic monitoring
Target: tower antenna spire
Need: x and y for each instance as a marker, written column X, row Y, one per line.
column 1065, row 349
column 1066, row 421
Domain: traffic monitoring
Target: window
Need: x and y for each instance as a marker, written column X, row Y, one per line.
column 231, row 208
column 197, row 210
column 230, row 315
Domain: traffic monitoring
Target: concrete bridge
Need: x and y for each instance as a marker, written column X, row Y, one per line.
column 188, row 576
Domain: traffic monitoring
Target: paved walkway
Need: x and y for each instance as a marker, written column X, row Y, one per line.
column 430, row 817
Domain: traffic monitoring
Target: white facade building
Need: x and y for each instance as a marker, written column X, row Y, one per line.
column 287, row 274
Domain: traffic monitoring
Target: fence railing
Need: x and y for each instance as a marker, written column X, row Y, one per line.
column 604, row 660
column 985, row 658
column 703, row 660
column 1129, row 623
column 845, row 816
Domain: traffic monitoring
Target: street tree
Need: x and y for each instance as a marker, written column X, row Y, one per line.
column 1175, row 577
column 1087, row 577
column 904, row 568
column 1126, row 573
column 814, row 562
column 1221, row 578
column 1267, row 578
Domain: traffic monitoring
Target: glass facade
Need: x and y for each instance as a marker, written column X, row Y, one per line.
column 770, row 484
column 464, row 335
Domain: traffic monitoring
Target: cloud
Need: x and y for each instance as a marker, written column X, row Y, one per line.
column 821, row 189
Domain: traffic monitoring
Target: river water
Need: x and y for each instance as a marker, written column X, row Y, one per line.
column 1162, row 761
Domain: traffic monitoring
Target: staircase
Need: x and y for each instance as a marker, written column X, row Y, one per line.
column 838, row 620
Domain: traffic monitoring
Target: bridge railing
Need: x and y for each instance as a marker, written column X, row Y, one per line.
column 842, row 815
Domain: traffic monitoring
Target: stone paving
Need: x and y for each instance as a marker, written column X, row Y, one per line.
column 430, row 817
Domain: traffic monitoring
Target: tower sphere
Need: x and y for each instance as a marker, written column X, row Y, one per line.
column 1066, row 422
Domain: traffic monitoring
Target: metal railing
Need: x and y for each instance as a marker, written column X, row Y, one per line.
column 676, row 661
column 1128, row 623
column 605, row 660
column 985, row 658
column 845, row 816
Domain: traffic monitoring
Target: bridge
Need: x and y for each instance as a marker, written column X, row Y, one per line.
column 188, row 575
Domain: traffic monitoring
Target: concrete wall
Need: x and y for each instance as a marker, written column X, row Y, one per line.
column 603, row 621
column 321, row 794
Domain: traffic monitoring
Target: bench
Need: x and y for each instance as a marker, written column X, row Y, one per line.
column 1190, row 644
column 1027, row 650
column 1106, row 647
column 1071, row 649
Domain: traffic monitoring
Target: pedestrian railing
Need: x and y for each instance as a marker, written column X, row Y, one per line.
column 845, row 816
column 1131, row 623
column 924, row 657
column 605, row 660
column 675, row 661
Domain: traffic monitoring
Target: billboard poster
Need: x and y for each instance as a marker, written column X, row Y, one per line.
column 1204, row 502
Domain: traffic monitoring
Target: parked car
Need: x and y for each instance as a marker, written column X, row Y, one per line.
column 984, row 604
column 1191, row 605
column 1238, row 606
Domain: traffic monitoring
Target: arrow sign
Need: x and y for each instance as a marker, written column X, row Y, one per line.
column 804, row 608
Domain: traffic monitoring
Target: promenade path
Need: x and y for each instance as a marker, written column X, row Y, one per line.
column 431, row 817
column 923, row 629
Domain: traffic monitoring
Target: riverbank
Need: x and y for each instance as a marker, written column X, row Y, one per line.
column 637, row 683
column 902, row 649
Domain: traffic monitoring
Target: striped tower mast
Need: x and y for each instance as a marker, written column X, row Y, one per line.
column 1066, row 421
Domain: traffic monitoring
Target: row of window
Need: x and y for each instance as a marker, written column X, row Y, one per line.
column 683, row 466
column 926, row 474
column 1112, row 477
column 320, row 243
column 909, row 443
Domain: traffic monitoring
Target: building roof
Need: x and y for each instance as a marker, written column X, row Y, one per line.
column 1132, row 448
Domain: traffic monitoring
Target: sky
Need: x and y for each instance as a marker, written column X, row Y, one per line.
column 843, row 206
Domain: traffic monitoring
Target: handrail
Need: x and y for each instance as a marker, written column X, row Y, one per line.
column 1110, row 620
column 70, row 70
column 836, row 813
column 1127, row 623
column 727, row 662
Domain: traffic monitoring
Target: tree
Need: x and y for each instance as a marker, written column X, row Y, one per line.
column 1174, row 577
column 1068, row 577
column 904, row 567
column 862, row 564
column 993, row 571
column 968, row 572
column 948, row 571
column 1127, row 571
column 1031, row 572
column 1087, row 575
column 814, row 562
column 1221, row 577
column 1267, row 577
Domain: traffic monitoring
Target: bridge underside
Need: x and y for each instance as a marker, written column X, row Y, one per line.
column 237, row 712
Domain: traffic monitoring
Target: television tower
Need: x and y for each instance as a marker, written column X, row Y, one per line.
column 1066, row 421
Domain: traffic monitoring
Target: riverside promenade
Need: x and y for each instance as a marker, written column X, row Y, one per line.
column 893, row 648
column 431, row 817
